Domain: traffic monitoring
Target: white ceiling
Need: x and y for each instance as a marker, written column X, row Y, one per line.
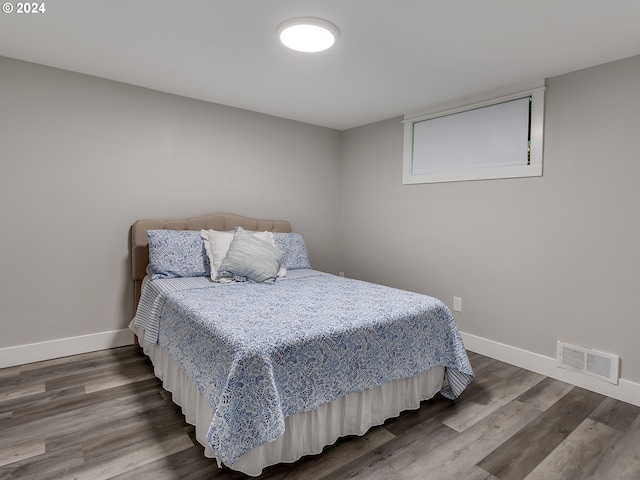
column 393, row 56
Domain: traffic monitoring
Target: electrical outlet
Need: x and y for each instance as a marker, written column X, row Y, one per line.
column 341, row 274
column 457, row 304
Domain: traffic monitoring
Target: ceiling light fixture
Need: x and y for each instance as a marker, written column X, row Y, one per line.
column 307, row 34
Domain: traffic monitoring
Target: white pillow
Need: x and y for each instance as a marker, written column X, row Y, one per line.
column 216, row 244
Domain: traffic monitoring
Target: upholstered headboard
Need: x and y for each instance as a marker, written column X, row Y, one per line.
column 216, row 221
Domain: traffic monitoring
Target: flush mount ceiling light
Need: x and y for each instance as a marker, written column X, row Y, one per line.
column 307, row 34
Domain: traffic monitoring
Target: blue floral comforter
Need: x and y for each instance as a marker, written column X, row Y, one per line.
column 261, row 352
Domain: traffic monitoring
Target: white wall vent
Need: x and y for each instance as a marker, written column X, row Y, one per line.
column 604, row 366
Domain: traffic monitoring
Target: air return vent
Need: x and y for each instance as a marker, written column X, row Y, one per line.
column 590, row 362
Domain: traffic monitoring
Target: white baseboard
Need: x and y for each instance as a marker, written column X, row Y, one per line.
column 626, row 390
column 36, row 352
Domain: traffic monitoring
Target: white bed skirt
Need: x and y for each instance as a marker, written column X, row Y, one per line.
column 306, row 433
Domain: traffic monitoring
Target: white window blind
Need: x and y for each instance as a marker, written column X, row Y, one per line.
column 497, row 139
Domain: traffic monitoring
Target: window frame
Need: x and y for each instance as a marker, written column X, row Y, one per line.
column 533, row 169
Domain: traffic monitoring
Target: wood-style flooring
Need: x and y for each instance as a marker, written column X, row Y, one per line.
column 103, row 415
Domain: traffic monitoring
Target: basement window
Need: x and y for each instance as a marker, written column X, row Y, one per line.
column 500, row 138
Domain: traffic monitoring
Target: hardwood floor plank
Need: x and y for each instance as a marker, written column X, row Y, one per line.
column 9, row 374
column 579, row 455
column 128, row 437
column 73, row 420
column 66, row 403
column 52, row 465
column 388, row 461
column 124, row 460
column 188, row 464
column 13, row 392
column 20, row 450
column 412, row 418
column 94, row 371
column 332, row 459
column 466, row 413
column 38, row 400
column 116, row 379
column 545, row 394
column 500, row 369
column 616, row 414
column 156, row 419
column 515, row 459
column 462, row 453
column 622, row 460
column 474, row 473
column 481, row 364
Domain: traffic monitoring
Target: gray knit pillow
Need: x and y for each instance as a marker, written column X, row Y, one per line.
column 253, row 258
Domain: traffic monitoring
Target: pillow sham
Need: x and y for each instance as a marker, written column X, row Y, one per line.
column 251, row 257
column 177, row 253
column 294, row 248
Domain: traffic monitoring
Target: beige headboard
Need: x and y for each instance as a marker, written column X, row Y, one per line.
column 216, row 221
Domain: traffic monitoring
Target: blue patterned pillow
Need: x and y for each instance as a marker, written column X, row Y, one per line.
column 177, row 253
column 253, row 258
column 295, row 250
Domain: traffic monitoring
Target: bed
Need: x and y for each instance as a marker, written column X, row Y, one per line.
column 271, row 364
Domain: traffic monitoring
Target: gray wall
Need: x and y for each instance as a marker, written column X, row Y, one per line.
column 535, row 260
column 82, row 158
